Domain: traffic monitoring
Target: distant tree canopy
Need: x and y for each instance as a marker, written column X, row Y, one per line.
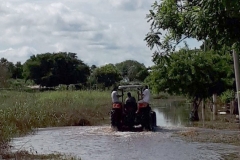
column 107, row 75
column 4, row 73
column 132, row 70
column 52, row 69
column 195, row 74
column 14, row 70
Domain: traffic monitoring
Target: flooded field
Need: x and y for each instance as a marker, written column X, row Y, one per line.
column 100, row 142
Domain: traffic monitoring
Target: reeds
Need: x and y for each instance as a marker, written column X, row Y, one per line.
column 21, row 112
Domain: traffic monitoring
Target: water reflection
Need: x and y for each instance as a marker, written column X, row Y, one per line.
column 176, row 112
column 171, row 112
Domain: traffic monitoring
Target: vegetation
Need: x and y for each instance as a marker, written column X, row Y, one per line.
column 193, row 74
column 14, row 70
column 4, row 75
column 31, row 155
column 53, row 69
column 214, row 22
column 21, row 112
column 227, row 96
column 106, row 75
column 132, row 70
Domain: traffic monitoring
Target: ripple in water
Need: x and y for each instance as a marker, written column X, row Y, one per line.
column 101, row 142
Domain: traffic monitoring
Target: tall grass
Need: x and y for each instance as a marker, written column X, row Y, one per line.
column 21, row 112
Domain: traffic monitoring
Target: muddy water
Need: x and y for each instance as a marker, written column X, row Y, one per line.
column 101, row 143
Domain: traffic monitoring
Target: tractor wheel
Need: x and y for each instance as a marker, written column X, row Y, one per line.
column 154, row 118
column 116, row 115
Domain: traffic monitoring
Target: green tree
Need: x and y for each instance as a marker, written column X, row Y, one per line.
column 4, row 74
column 53, row 69
column 68, row 69
column 16, row 70
column 172, row 21
column 107, row 75
column 194, row 74
column 175, row 20
column 132, row 70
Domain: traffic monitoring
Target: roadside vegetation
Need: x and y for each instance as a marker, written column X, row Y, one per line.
column 21, row 112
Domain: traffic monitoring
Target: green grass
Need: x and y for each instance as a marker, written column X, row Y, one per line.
column 21, row 112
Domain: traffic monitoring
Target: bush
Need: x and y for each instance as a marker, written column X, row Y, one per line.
column 227, row 96
column 62, row 87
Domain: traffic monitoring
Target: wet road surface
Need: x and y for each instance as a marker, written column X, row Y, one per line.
column 101, row 143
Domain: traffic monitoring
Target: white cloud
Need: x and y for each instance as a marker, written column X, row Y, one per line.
column 99, row 31
column 130, row 5
column 18, row 55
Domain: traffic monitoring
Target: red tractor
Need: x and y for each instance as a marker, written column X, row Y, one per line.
column 124, row 116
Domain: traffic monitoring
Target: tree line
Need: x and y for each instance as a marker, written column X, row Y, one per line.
column 53, row 69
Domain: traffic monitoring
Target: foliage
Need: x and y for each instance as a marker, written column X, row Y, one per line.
column 92, row 68
column 227, row 96
column 107, row 75
column 4, row 74
column 132, row 70
column 54, row 69
column 15, row 70
column 172, row 21
column 194, row 74
column 215, row 21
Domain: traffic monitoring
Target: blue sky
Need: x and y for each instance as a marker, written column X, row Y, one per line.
column 99, row 31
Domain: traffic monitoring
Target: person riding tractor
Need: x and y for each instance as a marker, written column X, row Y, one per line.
column 116, row 108
column 132, row 113
column 144, row 102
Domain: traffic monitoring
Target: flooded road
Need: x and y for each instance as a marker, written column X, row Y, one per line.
column 101, row 143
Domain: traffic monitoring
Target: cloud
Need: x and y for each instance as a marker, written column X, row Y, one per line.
column 27, row 22
column 130, row 5
column 18, row 55
column 99, row 31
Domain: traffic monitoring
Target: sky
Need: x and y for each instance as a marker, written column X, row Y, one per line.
column 99, row 31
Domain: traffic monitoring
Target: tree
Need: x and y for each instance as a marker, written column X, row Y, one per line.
column 92, row 68
column 194, row 74
column 16, row 70
column 212, row 20
column 68, row 69
column 107, row 75
column 54, row 69
column 4, row 74
column 132, row 70
column 217, row 21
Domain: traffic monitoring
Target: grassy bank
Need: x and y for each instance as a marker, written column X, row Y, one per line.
column 20, row 112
